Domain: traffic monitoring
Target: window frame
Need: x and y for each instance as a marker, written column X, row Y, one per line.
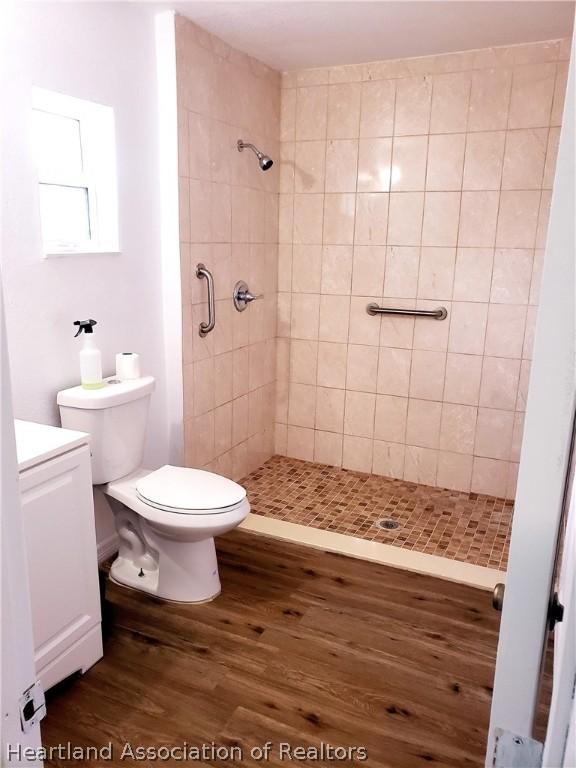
column 97, row 177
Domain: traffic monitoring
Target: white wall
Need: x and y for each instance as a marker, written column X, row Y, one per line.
column 103, row 52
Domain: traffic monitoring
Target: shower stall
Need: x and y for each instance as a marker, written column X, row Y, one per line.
column 376, row 385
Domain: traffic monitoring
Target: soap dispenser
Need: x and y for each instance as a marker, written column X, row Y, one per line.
column 90, row 357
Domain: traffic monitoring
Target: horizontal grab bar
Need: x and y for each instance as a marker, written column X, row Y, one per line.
column 438, row 314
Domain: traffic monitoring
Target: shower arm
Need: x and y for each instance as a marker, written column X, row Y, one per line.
column 246, row 145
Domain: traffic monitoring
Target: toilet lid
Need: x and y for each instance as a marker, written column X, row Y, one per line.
column 187, row 490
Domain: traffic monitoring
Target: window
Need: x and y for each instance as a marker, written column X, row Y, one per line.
column 76, row 162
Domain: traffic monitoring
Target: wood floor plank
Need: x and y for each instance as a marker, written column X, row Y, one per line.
column 305, row 699
column 403, row 588
column 334, row 565
column 389, row 637
column 451, row 695
column 213, row 646
column 330, row 727
column 302, row 646
column 252, row 729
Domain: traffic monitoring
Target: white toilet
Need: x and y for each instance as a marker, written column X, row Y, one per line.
column 166, row 519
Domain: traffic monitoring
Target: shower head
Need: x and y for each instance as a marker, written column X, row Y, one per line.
column 263, row 160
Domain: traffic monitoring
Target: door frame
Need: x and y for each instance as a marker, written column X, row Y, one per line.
column 17, row 668
column 544, row 464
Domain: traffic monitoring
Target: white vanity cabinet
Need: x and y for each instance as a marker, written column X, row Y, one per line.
column 60, row 541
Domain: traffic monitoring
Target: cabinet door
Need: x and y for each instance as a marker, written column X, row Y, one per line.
column 58, row 518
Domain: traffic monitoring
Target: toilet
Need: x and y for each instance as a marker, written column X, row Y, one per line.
column 166, row 518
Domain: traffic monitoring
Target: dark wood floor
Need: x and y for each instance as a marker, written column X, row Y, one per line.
column 302, row 647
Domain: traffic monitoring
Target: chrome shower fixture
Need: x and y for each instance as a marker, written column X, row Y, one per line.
column 263, row 160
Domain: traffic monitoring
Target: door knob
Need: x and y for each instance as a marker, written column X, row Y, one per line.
column 242, row 296
column 498, row 597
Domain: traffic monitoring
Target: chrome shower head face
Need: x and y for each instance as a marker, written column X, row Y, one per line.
column 264, row 161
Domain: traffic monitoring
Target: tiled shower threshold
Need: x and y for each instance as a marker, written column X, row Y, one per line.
column 448, row 534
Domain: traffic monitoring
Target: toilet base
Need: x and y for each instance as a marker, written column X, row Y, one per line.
column 152, row 561
column 185, row 572
column 123, row 576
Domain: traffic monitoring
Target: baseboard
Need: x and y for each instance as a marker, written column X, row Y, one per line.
column 107, row 547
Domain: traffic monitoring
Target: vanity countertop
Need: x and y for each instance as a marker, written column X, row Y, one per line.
column 36, row 443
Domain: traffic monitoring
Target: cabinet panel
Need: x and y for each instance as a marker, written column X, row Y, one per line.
column 58, row 517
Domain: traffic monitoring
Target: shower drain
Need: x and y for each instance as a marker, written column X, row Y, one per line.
column 387, row 525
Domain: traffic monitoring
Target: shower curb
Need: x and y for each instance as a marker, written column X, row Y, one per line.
column 385, row 554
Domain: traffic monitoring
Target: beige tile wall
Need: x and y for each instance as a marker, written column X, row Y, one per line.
column 228, row 221
column 414, row 183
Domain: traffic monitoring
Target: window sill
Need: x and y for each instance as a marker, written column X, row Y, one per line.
column 55, row 254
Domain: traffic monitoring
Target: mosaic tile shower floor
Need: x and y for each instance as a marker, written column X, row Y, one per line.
column 469, row 527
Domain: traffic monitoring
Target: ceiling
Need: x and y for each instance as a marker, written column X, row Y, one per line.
column 304, row 33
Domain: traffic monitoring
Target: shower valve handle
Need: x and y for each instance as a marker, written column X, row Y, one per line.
column 242, row 296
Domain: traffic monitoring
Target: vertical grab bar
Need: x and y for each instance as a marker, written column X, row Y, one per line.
column 205, row 328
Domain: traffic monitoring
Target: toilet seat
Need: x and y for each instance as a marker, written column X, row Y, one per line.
column 185, row 491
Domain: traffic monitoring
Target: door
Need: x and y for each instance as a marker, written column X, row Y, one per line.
column 544, row 465
column 560, row 746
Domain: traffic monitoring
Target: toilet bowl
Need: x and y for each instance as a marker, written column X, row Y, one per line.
column 166, row 522
column 166, row 518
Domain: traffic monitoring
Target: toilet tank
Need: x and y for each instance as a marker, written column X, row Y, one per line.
column 115, row 416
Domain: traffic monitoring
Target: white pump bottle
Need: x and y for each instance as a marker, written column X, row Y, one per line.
column 90, row 357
